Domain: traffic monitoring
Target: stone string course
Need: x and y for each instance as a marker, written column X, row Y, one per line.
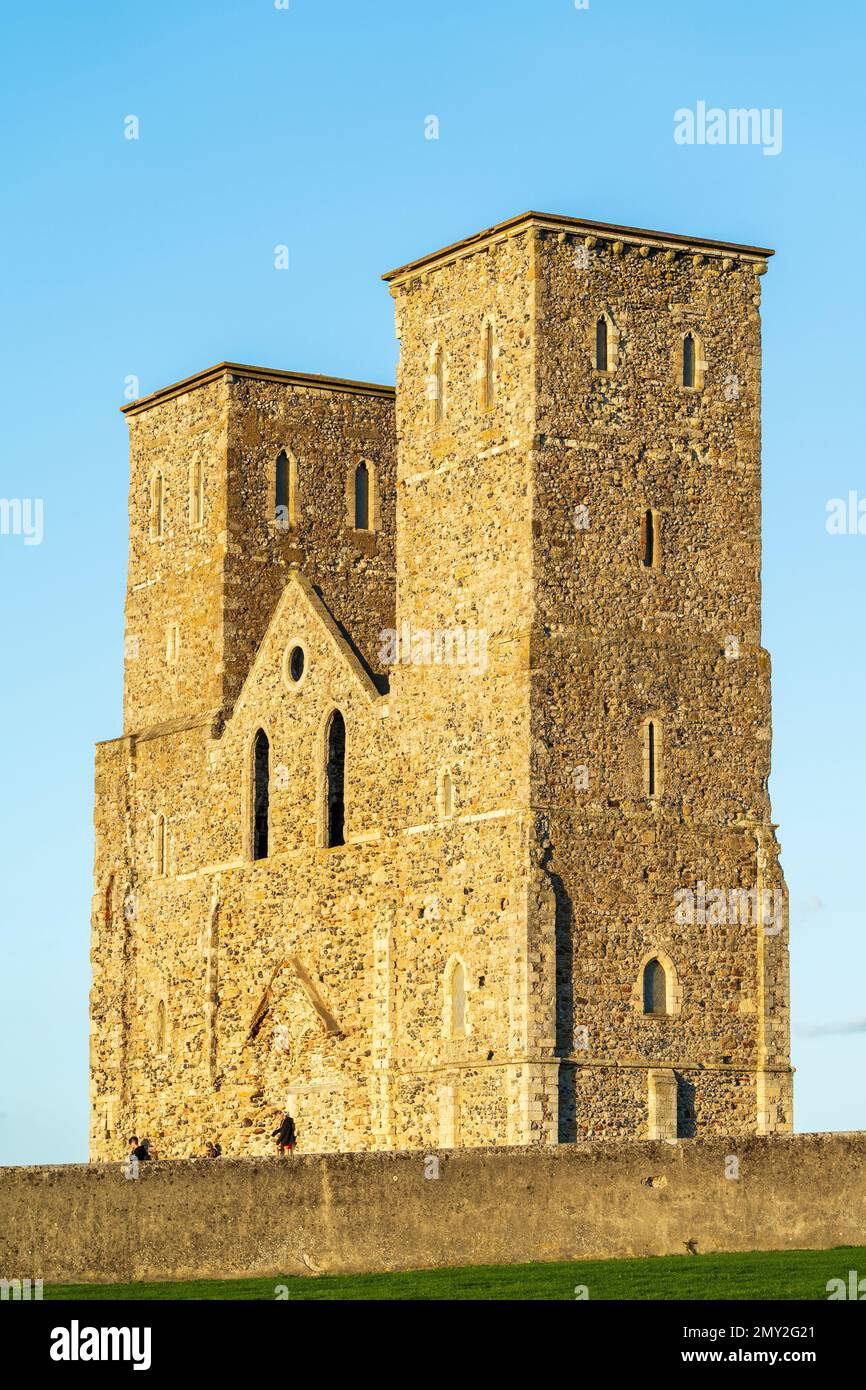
column 226, row 988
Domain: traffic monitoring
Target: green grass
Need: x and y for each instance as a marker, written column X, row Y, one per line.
column 771, row 1274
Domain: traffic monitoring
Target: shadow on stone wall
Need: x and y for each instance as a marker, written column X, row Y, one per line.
column 564, row 932
column 686, row 1121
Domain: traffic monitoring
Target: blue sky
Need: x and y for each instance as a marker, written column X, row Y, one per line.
column 306, row 127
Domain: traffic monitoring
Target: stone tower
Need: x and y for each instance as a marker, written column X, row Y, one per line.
column 552, row 908
column 208, row 553
column 588, row 491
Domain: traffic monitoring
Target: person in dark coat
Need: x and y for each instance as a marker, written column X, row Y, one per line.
column 285, row 1136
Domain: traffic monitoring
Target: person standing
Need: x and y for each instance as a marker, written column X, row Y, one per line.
column 139, row 1151
column 285, row 1136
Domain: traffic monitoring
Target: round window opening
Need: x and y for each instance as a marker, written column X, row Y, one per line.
column 296, row 663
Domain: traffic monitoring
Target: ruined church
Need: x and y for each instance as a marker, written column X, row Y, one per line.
column 440, row 702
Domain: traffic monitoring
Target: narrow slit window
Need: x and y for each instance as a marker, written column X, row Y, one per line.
column 261, row 794
column 651, row 752
column 156, row 507
column 446, row 795
column 439, row 387
column 282, row 497
column 196, row 495
column 649, row 539
column 489, row 382
column 458, row 1001
column 601, row 344
column 161, row 846
column 335, row 781
column 362, row 497
column 689, row 360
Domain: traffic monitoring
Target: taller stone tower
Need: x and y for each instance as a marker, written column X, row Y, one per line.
column 579, row 443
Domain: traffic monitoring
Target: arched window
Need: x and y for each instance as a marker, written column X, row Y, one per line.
column 362, row 497
column 439, row 386
column 335, row 780
column 261, row 792
column 652, row 750
column 161, row 846
column 156, row 507
column 689, row 360
column 601, row 344
column 489, row 377
column 196, row 494
column 648, row 539
column 161, row 1027
column 457, row 1002
column 655, row 988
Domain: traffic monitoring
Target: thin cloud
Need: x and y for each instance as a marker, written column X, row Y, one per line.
column 833, row 1030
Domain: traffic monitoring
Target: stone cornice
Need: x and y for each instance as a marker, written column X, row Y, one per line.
column 237, row 370
column 581, row 228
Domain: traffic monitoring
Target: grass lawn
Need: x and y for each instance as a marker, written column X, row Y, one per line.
column 770, row 1274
